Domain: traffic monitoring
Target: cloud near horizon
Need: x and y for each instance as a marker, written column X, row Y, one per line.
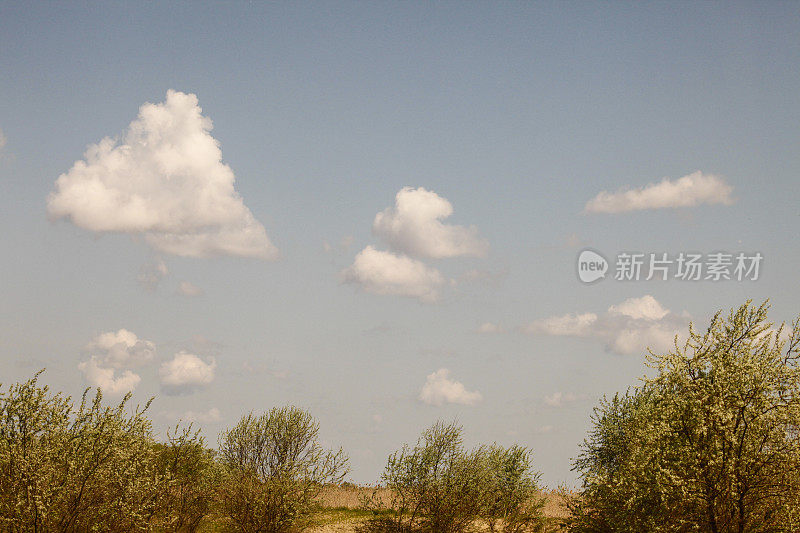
column 111, row 351
column 630, row 327
column 689, row 191
column 439, row 389
column 186, row 373
column 163, row 180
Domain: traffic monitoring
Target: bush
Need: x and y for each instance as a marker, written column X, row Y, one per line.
column 440, row 487
column 274, row 471
column 189, row 473
column 711, row 443
column 68, row 469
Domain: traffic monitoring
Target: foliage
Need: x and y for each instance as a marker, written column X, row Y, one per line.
column 274, row 471
column 190, row 472
column 711, row 443
column 68, row 469
column 440, row 487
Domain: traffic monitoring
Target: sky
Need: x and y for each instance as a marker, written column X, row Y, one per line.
column 375, row 210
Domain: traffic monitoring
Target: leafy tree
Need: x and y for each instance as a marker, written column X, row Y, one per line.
column 710, row 444
column 274, row 471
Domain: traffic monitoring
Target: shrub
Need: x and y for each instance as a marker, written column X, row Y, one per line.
column 189, row 473
column 440, row 487
column 711, row 443
column 68, row 469
column 274, row 471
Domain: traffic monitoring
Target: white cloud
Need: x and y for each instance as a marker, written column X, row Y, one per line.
column 632, row 326
column 112, row 351
column 189, row 289
column 186, row 372
column 689, row 191
column 440, row 389
column 211, row 416
column 559, row 399
column 414, row 227
column 489, row 328
column 569, row 325
column 164, row 180
column 385, row 273
column 105, row 378
column 645, row 307
column 121, row 349
column 151, row 274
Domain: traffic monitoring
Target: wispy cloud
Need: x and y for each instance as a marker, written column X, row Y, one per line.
column 632, row 326
column 440, row 389
column 151, row 274
column 189, row 290
column 689, row 191
column 164, row 180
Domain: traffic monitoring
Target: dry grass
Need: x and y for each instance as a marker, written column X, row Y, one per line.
column 342, row 506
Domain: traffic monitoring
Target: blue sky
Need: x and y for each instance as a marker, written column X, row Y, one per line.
column 513, row 114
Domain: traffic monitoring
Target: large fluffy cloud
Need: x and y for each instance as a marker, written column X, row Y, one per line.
column 381, row 272
column 186, row 372
column 163, row 180
column 691, row 190
column 440, row 389
column 632, row 326
column 414, row 226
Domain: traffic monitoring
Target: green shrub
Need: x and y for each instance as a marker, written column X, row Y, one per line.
column 274, row 469
column 68, row 469
column 440, row 487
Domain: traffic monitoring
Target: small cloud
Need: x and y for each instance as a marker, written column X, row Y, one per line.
column 151, row 274
column 632, row 326
column 440, row 389
column 344, row 245
column 186, row 373
column 189, row 290
column 106, row 379
column 121, row 349
column 212, row 416
column 569, row 325
column 559, row 399
column 164, row 180
column 414, row 226
column 689, row 191
column 573, row 241
column 489, row 328
column 385, row 273
column 483, row 276
column 112, row 351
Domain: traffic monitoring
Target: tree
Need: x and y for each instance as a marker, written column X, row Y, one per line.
column 274, row 471
column 710, row 443
column 440, row 487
